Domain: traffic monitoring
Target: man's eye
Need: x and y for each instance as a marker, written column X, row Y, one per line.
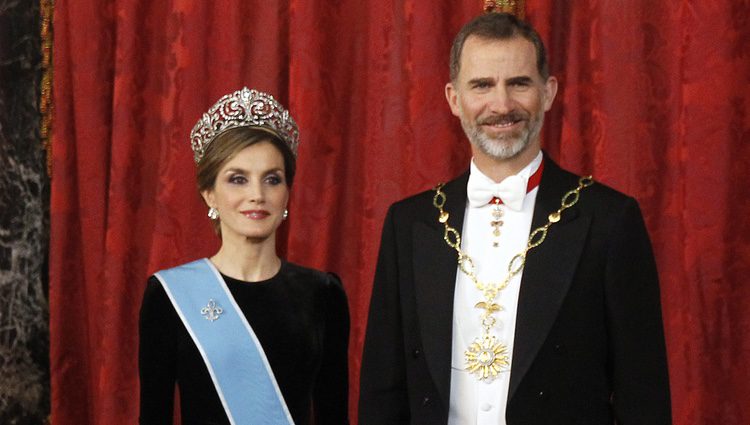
column 521, row 83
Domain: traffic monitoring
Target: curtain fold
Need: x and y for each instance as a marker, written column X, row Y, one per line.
column 654, row 101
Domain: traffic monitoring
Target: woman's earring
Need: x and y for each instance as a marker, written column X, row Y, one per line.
column 213, row 213
column 285, row 215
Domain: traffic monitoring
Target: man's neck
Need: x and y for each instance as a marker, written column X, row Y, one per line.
column 499, row 169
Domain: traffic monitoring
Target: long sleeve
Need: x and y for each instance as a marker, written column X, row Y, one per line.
column 331, row 392
column 383, row 391
column 639, row 365
column 157, row 357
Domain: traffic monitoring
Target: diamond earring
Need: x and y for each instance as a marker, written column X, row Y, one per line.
column 285, row 215
column 213, row 213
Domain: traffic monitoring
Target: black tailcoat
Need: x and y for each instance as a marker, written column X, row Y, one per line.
column 589, row 343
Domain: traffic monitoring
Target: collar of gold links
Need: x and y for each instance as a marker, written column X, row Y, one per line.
column 486, row 357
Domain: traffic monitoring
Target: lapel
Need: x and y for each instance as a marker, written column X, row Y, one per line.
column 434, row 265
column 549, row 269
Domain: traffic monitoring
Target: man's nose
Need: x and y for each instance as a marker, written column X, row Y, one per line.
column 500, row 101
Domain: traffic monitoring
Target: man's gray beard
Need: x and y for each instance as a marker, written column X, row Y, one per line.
column 506, row 147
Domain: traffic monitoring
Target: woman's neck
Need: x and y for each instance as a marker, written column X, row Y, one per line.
column 248, row 260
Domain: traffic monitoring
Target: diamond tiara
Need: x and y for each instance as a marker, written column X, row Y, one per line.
column 244, row 108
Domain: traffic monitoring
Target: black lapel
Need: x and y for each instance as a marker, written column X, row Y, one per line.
column 549, row 269
column 435, row 280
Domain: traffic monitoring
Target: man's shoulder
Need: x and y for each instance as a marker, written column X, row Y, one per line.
column 599, row 192
column 424, row 200
column 417, row 200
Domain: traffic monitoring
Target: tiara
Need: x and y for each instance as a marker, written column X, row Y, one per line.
column 244, row 108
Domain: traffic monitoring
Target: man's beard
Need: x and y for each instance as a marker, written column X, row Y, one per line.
column 506, row 146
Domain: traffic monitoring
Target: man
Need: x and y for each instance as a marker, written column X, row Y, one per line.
column 472, row 321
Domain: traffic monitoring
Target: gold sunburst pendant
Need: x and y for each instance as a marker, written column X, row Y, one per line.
column 486, row 357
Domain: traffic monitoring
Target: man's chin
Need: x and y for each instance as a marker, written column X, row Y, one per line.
column 502, row 149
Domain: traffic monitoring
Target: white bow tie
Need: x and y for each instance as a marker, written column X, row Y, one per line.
column 511, row 191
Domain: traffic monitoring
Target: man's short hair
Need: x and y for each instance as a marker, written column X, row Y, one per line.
column 498, row 26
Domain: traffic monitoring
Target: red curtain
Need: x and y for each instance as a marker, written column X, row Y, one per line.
column 655, row 99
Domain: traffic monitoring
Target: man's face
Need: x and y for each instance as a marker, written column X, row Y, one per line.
column 500, row 96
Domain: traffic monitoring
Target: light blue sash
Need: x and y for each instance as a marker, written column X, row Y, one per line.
column 230, row 349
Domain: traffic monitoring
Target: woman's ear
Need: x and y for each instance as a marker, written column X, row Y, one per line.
column 208, row 197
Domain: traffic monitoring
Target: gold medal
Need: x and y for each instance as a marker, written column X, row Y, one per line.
column 486, row 357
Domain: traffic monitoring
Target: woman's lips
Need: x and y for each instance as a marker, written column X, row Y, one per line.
column 255, row 214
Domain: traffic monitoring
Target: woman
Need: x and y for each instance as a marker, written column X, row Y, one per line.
column 248, row 337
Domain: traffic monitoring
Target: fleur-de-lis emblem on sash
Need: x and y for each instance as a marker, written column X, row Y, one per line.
column 211, row 311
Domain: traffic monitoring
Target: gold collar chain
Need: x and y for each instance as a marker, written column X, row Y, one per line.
column 486, row 357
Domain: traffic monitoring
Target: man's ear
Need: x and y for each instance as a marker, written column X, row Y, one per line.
column 550, row 91
column 451, row 95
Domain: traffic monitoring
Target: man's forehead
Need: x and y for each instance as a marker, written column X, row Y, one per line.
column 481, row 45
column 516, row 55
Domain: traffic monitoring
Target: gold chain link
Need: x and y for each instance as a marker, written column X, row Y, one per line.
column 453, row 238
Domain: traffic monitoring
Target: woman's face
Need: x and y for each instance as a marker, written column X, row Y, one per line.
column 250, row 193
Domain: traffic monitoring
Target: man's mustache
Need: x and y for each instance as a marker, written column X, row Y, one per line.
column 509, row 118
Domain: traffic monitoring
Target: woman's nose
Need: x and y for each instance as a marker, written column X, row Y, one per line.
column 255, row 192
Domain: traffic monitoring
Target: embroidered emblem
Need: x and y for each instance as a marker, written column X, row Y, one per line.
column 211, row 311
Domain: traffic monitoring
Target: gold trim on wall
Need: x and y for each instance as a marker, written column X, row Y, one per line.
column 46, row 106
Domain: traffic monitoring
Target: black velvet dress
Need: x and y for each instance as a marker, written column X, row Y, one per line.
column 301, row 319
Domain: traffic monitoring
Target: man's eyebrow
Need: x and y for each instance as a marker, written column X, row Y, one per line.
column 523, row 79
column 482, row 81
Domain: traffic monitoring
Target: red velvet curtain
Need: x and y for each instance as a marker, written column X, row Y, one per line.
column 655, row 99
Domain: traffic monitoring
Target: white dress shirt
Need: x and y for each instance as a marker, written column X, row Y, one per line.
column 473, row 401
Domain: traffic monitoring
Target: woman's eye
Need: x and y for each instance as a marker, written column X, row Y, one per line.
column 273, row 179
column 237, row 179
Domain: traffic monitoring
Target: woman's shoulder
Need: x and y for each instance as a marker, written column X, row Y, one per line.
column 155, row 291
column 154, row 287
column 301, row 271
column 309, row 275
column 197, row 263
column 156, row 307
